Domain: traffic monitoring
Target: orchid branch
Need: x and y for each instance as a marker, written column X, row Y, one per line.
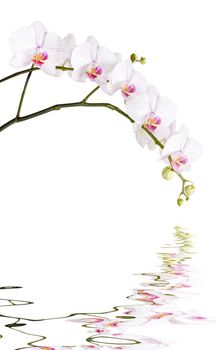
column 24, row 92
column 153, row 115
column 84, row 103
column 32, row 69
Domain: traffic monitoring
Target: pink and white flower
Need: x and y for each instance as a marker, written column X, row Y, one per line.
column 46, row 50
column 92, row 61
column 182, row 149
column 154, row 113
column 129, row 81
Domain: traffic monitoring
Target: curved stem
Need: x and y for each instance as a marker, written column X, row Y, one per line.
column 31, row 70
column 23, row 93
column 18, row 73
column 84, row 103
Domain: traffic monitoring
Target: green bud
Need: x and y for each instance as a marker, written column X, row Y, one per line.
column 167, row 173
column 190, row 189
column 133, row 57
column 180, row 202
column 143, row 60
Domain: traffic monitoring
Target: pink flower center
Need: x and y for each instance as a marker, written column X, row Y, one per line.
column 152, row 121
column 40, row 58
column 179, row 160
column 128, row 90
column 94, row 72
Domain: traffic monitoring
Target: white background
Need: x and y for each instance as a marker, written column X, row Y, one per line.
column 82, row 206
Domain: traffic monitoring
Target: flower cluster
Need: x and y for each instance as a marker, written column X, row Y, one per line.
column 153, row 116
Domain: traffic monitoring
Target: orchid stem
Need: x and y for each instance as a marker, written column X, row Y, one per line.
column 32, row 70
column 23, row 93
column 82, row 103
column 90, row 94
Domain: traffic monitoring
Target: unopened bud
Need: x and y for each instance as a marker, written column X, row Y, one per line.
column 133, row 57
column 167, row 173
column 180, row 202
column 190, row 189
column 143, row 60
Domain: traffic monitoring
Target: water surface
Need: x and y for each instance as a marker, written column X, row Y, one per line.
column 156, row 300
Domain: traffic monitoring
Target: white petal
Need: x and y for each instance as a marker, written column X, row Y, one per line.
column 192, row 149
column 22, row 41
column 153, row 94
column 166, row 109
column 39, row 31
column 174, row 143
column 108, row 88
column 106, row 59
column 82, row 55
column 50, row 69
column 187, row 167
column 140, row 82
column 70, row 42
column 79, row 74
column 94, row 46
column 122, row 72
column 22, row 61
column 54, row 46
column 151, row 144
column 137, row 107
column 141, row 136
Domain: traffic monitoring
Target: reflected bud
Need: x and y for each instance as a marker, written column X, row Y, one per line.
column 167, row 173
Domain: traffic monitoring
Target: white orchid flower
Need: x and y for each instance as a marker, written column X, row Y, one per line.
column 34, row 45
column 182, row 149
column 92, row 61
column 153, row 112
column 129, row 81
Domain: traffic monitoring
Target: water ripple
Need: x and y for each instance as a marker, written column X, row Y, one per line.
column 157, row 301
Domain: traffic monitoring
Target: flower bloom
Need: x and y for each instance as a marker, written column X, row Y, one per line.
column 34, row 45
column 154, row 113
column 93, row 62
column 182, row 149
column 129, row 81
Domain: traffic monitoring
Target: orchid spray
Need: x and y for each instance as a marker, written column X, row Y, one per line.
column 152, row 115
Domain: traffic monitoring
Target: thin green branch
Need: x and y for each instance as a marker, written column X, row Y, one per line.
column 31, row 70
column 23, row 93
column 18, row 73
column 90, row 94
column 84, row 103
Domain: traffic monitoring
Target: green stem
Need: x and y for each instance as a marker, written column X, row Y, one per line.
column 18, row 73
column 90, row 94
column 23, row 93
column 31, row 70
column 84, row 103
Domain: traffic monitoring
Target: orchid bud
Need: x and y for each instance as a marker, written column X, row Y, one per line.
column 143, row 60
column 180, row 202
column 167, row 173
column 190, row 189
column 134, row 57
